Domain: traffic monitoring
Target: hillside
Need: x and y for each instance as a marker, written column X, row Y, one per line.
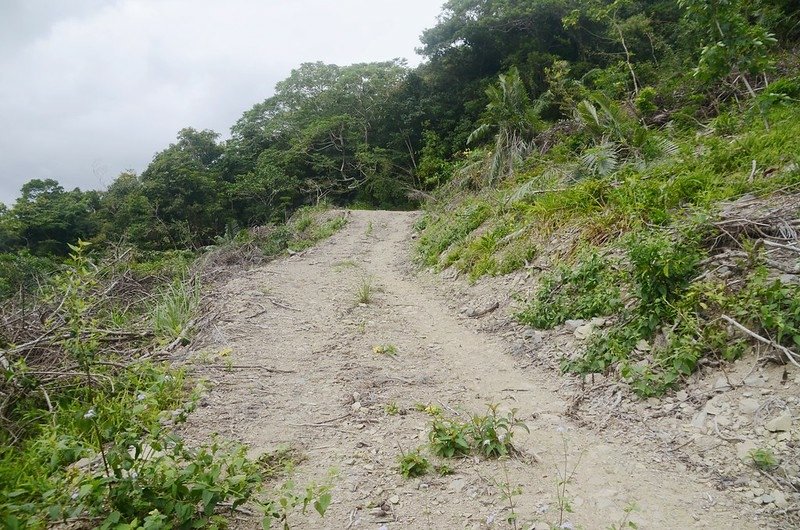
column 548, row 278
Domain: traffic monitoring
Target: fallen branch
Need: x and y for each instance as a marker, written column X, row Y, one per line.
column 792, row 356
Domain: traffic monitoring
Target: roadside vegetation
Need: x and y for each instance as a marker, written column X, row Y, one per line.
column 665, row 202
column 640, row 159
column 90, row 401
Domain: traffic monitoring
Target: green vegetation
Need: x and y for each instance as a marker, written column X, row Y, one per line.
column 619, row 174
column 413, row 464
column 763, row 459
column 640, row 157
column 490, row 435
column 365, row 291
column 88, row 413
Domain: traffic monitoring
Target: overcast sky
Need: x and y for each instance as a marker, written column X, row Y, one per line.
column 90, row 88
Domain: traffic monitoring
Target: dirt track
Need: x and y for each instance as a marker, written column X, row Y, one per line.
column 299, row 314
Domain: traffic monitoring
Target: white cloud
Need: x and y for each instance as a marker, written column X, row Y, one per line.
column 98, row 88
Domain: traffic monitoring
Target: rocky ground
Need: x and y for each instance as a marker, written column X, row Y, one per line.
column 293, row 359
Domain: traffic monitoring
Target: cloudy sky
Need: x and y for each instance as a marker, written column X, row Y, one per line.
column 90, row 88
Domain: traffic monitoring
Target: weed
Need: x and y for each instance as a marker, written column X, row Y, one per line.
column 174, row 309
column 428, row 408
column 493, row 433
column 763, row 459
column 565, row 476
column 345, row 264
column 589, row 289
column 385, row 349
column 508, row 494
column 369, row 229
column 625, row 522
column 444, row 470
column 365, row 290
column 413, row 464
column 392, row 409
column 281, row 461
column 449, row 438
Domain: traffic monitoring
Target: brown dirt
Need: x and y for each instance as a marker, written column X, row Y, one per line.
column 300, row 314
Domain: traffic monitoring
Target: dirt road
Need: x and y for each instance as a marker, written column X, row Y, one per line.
column 300, row 314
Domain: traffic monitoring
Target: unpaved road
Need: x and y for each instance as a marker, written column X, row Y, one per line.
column 299, row 314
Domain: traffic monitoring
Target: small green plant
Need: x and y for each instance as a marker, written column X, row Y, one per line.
column 444, row 470
column 625, row 522
column 449, row 438
column 175, row 307
column 365, row 290
column 279, row 462
column 413, row 464
column 385, row 349
column 392, row 409
column 508, row 493
column 763, row 459
column 493, row 433
column 369, row 229
column 565, row 476
column 428, row 408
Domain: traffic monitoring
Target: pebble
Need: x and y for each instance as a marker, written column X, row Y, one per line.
column 780, row 424
column 572, row 325
column 780, row 499
column 743, row 449
column 394, row 499
column 748, row 406
column 583, row 332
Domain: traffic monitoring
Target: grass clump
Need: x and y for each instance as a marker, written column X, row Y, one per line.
column 413, row 464
column 385, row 349
column 175, row 307
column 763, row 459
column 365, row 290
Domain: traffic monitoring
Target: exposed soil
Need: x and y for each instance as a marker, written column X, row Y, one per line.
column 300, row 315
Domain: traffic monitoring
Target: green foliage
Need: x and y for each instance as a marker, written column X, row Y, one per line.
column 732, row 42
column 588, row 289
column 449, row 228
column 413, row 464
column 449, row 438
column 491, row 435
column 174, row 309
column 365, row 290
column 763, row 459
column 22, row 272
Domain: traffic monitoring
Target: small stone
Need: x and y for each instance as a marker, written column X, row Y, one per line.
column 458, row 485
column 699, row 420
column 356, row 406
column 681, row 395
column 721, row 384
column 394, row 499
column 713, row 409
column 598, row 322
column 780, row 499
column 748, row 406
column 643, row 345
column 583, row 332
column 755, row 381
column 743, row 449
column 572, row 325
column 780, row 424
column 767, row 498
